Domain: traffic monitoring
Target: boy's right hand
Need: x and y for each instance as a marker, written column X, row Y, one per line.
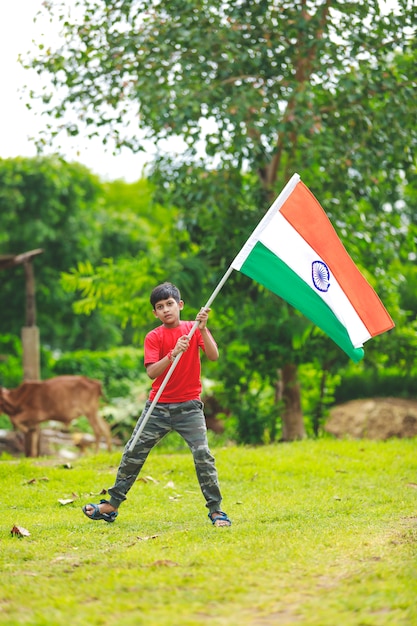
column 181, row 345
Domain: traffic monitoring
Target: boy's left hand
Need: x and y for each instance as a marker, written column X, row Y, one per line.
column 202, row 317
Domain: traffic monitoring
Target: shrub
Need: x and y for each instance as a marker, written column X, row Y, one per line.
column 11, row 369
column 371, row 384
column 114, row 368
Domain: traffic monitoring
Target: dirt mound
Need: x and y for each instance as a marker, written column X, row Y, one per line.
column 374, row 418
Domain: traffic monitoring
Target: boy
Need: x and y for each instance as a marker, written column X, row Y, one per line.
column 179, row 407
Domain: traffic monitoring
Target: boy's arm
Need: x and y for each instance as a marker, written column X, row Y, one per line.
column 210, row 346
column 156, row 369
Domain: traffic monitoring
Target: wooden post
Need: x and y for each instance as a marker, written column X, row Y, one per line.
column 30, row 335
column 30, row 293
column 31, row 353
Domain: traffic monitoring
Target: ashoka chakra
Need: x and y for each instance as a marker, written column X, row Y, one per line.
column 321, row 275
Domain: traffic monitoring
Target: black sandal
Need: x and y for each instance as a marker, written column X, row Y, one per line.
column 219, row 516
column 96, row 515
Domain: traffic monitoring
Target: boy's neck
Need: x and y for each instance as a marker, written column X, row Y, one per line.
column 174, row 325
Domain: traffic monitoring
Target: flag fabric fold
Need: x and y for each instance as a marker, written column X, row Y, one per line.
column 296, row 253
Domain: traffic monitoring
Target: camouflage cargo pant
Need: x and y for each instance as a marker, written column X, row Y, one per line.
column 187, row 419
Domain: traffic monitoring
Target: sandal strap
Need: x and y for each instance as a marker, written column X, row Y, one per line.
column 221, row 515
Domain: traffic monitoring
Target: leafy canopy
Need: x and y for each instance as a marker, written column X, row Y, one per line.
column 321, row 87
column 262, row 78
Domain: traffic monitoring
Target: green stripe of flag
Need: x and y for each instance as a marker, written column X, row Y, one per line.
column 265, row 267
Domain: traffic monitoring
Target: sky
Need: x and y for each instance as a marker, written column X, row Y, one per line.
column 18, row 124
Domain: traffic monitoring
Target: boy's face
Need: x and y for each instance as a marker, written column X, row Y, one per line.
column 168, row 311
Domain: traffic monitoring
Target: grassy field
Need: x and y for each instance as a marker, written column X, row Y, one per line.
column 324, row 533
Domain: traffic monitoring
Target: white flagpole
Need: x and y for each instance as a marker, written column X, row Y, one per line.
column 146, row 417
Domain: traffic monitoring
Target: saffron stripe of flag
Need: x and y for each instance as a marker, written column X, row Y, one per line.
column 296, row 253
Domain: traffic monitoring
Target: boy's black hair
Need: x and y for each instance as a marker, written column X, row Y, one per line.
column 163, row 292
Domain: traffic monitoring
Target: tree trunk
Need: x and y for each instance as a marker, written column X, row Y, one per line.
column 292, row 417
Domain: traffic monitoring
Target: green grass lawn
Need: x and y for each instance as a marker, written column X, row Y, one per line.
column 324, row 533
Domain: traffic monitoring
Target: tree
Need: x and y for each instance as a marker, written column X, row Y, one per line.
column 142, row 243
column 317, row 86
column 78, row 221
column 53, row 205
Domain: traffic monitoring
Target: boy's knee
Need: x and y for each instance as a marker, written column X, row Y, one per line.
column 203, row 455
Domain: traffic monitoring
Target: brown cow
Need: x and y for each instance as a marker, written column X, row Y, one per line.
column 63, row 398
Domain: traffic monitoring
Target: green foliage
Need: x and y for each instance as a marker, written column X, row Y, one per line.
column 11, row 361
column 377, row 383
column 4, row 422
column 11, row 366
column 131, row 222
column 255, row 412
column 148, row 245
column 268, row 88
column 114, row 367
column 65, row 210
column 52, row 205
column 264, row 73
column 254, row 415
column 120, row 289
column 318, row 395
column 408, row 292
column 323, row 533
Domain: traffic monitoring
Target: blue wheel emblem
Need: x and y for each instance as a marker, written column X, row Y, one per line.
column 321, row 275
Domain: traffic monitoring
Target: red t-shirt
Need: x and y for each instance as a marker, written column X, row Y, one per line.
column 185, row 381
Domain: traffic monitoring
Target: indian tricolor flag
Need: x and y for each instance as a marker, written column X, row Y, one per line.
column 296, row 253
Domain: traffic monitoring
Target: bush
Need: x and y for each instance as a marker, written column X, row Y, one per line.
column 317, row 395
column 371, row 384
column 11, row 361
column 115, row 368
column 11, row 369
